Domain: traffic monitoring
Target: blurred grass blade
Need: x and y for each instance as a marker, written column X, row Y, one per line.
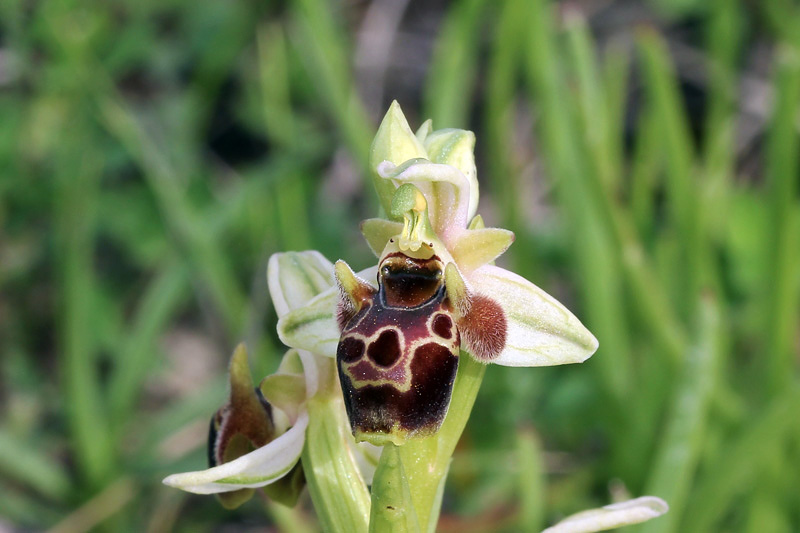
column 29, row 466
column 189, row 229
column 75, row 223
column 646, row 166
column 615, row 74
column 680, row 447
column 593, row 105
column 780, row 287
column 454, row 65
column 583, row 199
column 274, row 84
column 504, row 63
column 107, row 503
column 137, row 351
column 324, row 48
column 681, row 184
column 735, row 471
column 531, row 480
column 724, row 33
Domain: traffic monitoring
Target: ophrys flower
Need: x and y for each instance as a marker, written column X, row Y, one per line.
column 397, row 328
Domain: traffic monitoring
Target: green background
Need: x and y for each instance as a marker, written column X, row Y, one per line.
column 153, row 154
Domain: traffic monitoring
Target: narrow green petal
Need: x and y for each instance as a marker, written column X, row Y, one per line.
column 313, row 327
column 612, row 516
column 256, row 469
column 475, row 248
column 296, row 277
column 378, row 231
column 424, row 130
column 541, row 331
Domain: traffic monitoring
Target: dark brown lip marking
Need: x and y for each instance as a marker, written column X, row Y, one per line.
column 350, row 349
column 442, row 326
column 385, row 350
column 409, row 282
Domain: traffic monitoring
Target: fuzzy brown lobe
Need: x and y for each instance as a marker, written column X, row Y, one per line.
column 484, row 328
column 398, row 355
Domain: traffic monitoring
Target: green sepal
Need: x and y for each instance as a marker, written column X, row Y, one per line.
column 393, row 142
column 234, row 499
column 287, row 489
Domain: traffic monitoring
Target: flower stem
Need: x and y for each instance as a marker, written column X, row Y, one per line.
column 392, row 505
column 425, row 461
column 337, row 489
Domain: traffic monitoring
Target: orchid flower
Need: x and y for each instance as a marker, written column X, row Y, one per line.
column 432, row 250
column 257, row 438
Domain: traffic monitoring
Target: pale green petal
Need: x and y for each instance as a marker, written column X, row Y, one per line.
column 313, row 327
column 378, row 231
column 456, row 147
column 424, row 130
column 256, row 469
column 396, row 143
column 541, row 331
column 446, row 190
column 612, row 516
column 294, row 278
column 291, row 363
column 475, row 248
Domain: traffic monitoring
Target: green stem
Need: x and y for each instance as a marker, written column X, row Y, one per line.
column 392, row 505
column 337, row 489
column 426, row 461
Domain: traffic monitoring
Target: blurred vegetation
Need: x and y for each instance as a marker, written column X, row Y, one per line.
column 154, row 154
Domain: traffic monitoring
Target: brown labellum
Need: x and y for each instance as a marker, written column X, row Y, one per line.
column 398, row 353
